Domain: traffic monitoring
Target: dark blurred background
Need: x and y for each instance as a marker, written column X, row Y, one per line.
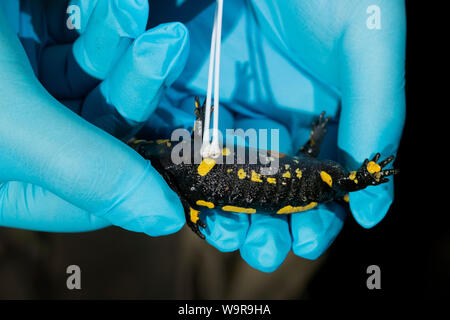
column 411, row 245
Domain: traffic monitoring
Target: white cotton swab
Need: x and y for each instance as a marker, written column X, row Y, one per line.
column 206, row 125
column 215, row 141
column 212, row 149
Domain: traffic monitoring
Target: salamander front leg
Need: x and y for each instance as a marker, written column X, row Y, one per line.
column 370, row 173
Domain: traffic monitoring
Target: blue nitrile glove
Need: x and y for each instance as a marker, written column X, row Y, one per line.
column 283, row 62
column 58, row 172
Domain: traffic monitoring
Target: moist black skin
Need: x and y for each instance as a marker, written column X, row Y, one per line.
column 299, row 182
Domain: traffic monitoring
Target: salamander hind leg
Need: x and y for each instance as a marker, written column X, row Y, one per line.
column 193, row 220
column 318, row 131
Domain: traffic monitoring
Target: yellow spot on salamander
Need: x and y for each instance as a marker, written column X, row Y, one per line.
column 287, row 174
column 291, row 209
column 229, row 170
column 346, row 198
column 286, row 166
column 194, row 215
column 296, row 161
column 210, row 205
column 373, row 167
column 326, row 178
column 272, row 180
column 205, row 166
column 226, row 152
column 242, row 174
column 352, row 176
column 238, row 209
column 298, row 172
column 161, row 141
column 256, row 177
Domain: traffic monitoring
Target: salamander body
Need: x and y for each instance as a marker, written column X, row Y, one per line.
column 295, row 184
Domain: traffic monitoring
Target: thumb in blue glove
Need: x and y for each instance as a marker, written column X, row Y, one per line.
column 58, row 172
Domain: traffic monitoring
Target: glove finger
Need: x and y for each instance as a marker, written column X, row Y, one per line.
column 112, row 27
column 313, row 231
column 27, row 206
column 268, row 242
column 71, row 71
column 131, row 92
column 373, row 101
column 370, row 206
column 225, row 231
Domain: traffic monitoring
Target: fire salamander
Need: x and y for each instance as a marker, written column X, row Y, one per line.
column 300, row 183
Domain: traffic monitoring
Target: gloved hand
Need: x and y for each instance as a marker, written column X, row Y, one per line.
column 283, row 63
column 58, row 172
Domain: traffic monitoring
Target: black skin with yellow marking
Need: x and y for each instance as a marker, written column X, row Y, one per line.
column 300, row 183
